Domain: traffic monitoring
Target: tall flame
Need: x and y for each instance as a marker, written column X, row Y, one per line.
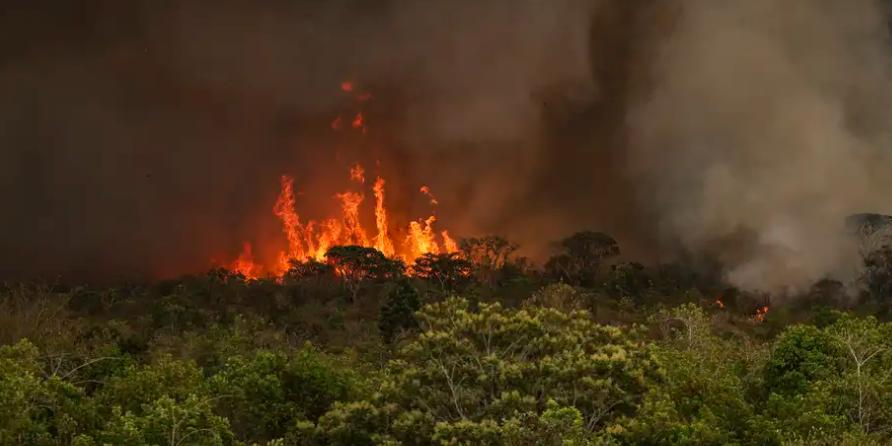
column 350, row 202
column 311, row 240
column 382, row 240
column 284, row 209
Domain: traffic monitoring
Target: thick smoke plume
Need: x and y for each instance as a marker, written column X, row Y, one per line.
column 144, row 139
column 765, row 126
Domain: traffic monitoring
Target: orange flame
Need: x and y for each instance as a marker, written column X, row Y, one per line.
column 245, row 265
column 284, row 209
column 357, row 173
column 427, row 191
column 761, row 313
column 420, row 240
column 719, row 303
column 448, row 243
column 350, row 202
column 382, row 240
column 311, row 240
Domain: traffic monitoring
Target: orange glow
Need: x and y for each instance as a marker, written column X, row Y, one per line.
column 719, row 303
column 427, row 191
column 761, row 313
column 382, row 240
column 284, row 209
column 313, row 238
column 245, row 265
column 449, row 244
column 357, row 173
column 350, row 202
column 358, row 121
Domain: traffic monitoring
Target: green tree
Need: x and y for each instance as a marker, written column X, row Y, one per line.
column 398, row 313
column 471, row 377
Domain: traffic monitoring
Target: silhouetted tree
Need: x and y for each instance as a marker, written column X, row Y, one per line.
column 582, row 257
column 356, row 265
column 488, row 254
column 449, row 271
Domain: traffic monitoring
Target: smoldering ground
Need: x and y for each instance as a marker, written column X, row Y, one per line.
column 143, row 139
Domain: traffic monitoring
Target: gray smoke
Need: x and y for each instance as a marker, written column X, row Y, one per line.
column 770, row 118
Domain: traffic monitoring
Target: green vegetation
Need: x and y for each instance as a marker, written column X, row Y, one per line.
column 470, row 349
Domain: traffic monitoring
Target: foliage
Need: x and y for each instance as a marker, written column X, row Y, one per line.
column 488, row 255
column 357, row 265
column 582, row 257
column 449, row 271
column 398, row 313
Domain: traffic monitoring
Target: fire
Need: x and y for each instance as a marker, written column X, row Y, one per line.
column 245, row 265
column 350, row 202
column 358, row 122
column 357, row 173
column 427, row 191
column 448, row 243
column 382, row 240
column 313, row 238
column 761, row 313
column 719, row 303
column 284, row 209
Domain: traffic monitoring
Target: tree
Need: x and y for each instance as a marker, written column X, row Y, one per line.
column 487, row 254
column 449, row 271
column 477, row 377
column 357, row 265
column 582, row 257
column 398, row 313
column 701, row 399
column 268, row 392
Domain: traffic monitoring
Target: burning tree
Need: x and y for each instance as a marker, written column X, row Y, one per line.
column 358, row 265
column 450, row 271
column 487, row 254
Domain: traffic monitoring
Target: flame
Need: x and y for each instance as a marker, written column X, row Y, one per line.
column 382, row 240
column 358, row 121
column 312, row 239
column 719, row 303
column 284, row 209
column 427, row 191
column 761, row 313
column 244, row 264
column 357, row 173
column 448, row 243
column 350, row 202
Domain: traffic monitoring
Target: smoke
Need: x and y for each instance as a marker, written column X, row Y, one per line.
column 765, row 127
column 147, row 139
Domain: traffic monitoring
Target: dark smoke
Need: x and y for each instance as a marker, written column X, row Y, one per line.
column 145, row 138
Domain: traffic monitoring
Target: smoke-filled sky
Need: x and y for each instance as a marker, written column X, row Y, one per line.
column 146, row 138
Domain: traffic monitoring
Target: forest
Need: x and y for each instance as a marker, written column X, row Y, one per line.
column 478, row 347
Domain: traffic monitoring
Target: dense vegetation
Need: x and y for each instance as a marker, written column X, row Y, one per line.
column 477, row 348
